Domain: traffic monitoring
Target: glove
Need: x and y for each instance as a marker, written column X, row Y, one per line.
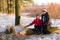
column 25, row 27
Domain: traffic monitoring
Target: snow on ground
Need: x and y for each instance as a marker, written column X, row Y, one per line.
column 55, row 22
column 6, row 19
column 44, row 37
column 27, row 20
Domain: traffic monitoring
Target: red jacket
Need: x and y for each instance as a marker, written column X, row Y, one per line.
column 37, row 22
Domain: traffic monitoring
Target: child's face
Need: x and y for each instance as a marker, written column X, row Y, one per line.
column 44, row 12
column 38, row 17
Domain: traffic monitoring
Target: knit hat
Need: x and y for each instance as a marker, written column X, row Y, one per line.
column 44, row 10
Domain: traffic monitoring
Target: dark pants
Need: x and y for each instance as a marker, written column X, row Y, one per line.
column 45, row 30
column 38, row 30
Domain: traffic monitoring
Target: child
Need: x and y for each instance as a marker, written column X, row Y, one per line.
column 45, row 20
column 37, row 24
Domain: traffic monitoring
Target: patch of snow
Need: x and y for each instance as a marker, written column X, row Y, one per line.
column 6, row 19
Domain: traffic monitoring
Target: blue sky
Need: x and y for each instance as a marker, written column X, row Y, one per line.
column 39, row 2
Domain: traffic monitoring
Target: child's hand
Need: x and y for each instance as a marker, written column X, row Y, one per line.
column 25, row 27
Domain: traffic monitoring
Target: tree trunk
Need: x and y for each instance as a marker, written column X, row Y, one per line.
column 17, row 12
